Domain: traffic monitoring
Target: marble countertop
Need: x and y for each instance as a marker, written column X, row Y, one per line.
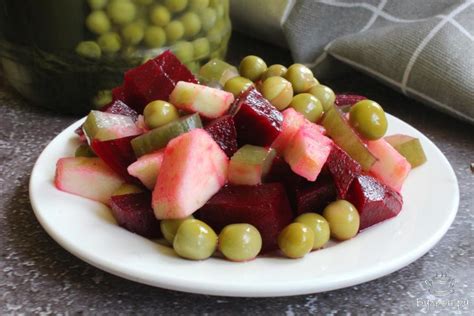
column 38, row 276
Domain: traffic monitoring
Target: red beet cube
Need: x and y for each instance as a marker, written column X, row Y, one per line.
column 280, row 171
column 223, row 132
column 117, row 154
column 345, row 99
column 154, row 80
column 119, row 107
column 375, row 201
column 343, row 169
column 257, row 121
column 265, row 206
column 118, row 93
column 134, row 213
column 314, row 196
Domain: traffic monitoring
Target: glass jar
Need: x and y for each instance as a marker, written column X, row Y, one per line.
column 68, row 54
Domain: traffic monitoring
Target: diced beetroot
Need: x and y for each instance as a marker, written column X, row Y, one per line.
column 134, row 213
column 194, row 168
column 314, row 196
column 308, row 151
column 223, row 132
column 280, row 171
column 345, row 99
column 146, row 168
column 391, row 167
column 375, row 201
column 343, row 169
column 264, row 206
column 87, row 177
column 292, row 121
column 154, row 80
column 257, row 121
column 117, row 154
column 118, row 93
column 118, row 107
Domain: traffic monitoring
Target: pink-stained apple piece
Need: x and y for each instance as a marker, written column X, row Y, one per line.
column 308, row 151
column 87, row 177
column 146, row 168
column 194, row 168
column 391, row 167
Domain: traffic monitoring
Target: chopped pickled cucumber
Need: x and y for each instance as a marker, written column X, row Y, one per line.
column 250, row 164
column 106, row 126
column 409, row 147
column 218, row 71
column 343, row 135
column 84, row 150
column 159, row 137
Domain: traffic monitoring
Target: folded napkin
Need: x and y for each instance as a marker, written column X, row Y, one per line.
column 422, row 48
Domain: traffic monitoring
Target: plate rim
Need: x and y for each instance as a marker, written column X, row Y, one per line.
column 236, row 291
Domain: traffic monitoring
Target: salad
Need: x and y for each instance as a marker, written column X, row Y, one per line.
column 240, row 161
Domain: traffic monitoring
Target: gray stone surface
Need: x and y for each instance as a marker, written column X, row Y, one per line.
column 38, row 276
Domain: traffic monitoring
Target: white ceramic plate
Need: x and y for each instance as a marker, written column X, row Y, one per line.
column 87, row 230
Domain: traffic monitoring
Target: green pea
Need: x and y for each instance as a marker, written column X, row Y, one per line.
column 174, row 31
column 89, row 49
column 240, row 242
column 191, row 23
column 133, row 33
column 127, row 188
column 308, row 105
column 160, row 16
column 102, row 98
column 301, row 77
column 324, row 94
column 201, row 47
column 155, row 37
column 97, row 4
column 109, row 42
column 343, row 219
column 184, row 51
column 198, row 4
column 98, row 22
column 121, row 11
column 144, row 2
column 319, row 225
column 158, row 113
column 208, row 18
column 252, row 67
column 296, row 240
column 274, row 71
column 169, row 227
column 278, row 91
column 214, row 36
column 368, row 119
column 84, row 150
column 176, row 5
column 237, row 85
column 195, row 240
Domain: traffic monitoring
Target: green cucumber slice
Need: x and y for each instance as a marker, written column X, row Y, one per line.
column 345, row 137
column 106, row 126
column 409, row 147
column 159, row 137
column 217, row 71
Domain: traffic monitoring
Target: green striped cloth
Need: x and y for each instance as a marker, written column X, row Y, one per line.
column 422, row 48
